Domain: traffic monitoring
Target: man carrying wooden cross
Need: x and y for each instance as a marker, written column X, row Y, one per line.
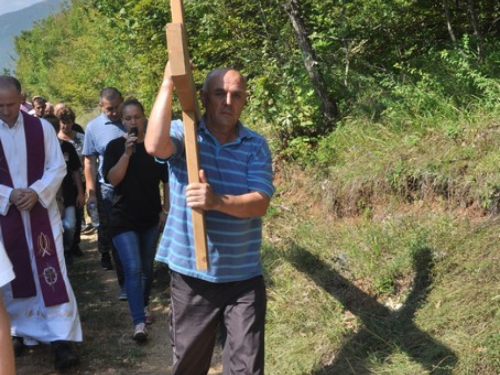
column 234, row 191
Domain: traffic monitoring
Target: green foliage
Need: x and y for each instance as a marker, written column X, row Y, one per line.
column 386, row 61
column 96, row 52
column 138, row 29
column 73, row 69
column 352, row 290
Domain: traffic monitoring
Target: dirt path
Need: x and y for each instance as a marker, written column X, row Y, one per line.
column 107, row 347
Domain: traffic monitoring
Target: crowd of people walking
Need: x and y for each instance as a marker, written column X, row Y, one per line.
column 133, row 171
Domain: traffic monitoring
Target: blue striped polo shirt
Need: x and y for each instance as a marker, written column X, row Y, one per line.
column 234, row 168
column 98, row 133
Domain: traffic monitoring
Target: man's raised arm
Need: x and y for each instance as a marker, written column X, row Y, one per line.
column 157, row 140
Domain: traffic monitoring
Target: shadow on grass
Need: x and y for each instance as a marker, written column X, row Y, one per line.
column 384, row 331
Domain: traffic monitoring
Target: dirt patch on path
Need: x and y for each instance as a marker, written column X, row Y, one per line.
column 107, row 347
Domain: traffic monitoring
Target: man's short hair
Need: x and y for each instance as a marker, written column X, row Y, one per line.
column 39, row 100
column 110, row 93
column 9, row 81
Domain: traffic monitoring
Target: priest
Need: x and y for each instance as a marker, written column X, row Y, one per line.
column 40, row 300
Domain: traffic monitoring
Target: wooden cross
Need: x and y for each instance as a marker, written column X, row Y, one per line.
column 182, row 76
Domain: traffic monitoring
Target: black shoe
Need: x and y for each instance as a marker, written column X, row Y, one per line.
column 64, row 356
column 77, row 251
column 68, row 257
column 18, row 344
column 106, row 262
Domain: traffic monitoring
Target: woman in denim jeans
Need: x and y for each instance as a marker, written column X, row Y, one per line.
column 138, row 214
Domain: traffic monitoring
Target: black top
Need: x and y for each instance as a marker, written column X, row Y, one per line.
column 137, row 201
column 69, row 190
column 78, row 128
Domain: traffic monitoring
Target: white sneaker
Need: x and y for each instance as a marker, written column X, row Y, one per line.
column 140, row 332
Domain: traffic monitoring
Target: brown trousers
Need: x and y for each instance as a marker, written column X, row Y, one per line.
column 197, row 308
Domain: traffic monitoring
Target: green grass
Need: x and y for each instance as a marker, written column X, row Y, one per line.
column 385, row 260
column 429, row 161
column 334, row 300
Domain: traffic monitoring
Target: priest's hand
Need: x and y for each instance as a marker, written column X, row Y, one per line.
column 24, row 199
column 15, row 196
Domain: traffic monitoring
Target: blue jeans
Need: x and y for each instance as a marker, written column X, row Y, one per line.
column 69, row 225
column 137, row 250
column 105, row 194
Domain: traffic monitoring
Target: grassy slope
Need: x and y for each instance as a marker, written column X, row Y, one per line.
column 385, row 258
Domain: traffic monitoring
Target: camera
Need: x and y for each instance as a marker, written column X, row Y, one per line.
column 133, row 131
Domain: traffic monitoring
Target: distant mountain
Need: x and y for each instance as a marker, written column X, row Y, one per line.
column 11, row 25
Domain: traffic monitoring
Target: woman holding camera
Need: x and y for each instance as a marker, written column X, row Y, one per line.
column 137, row 214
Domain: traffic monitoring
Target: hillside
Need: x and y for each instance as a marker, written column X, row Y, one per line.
column 11, row 25
column 384, row 259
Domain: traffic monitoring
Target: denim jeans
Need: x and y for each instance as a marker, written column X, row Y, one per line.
column 105, row 194
column 69, row 225
column 78, row 227
column 137, row 251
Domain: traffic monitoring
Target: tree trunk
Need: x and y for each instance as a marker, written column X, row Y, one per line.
column 328, row 105
column 448, row 21
column 450, row 27
column 477, row 30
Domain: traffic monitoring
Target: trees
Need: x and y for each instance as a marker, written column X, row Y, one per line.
column 309, row 62
column 328, row 105
column 68, row 57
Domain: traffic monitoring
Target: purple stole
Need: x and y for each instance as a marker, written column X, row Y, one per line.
column 44, row 247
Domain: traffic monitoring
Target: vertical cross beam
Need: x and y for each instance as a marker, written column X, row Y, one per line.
column 178, row 54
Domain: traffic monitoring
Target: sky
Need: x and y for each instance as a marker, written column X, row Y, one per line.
column 7, row 6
